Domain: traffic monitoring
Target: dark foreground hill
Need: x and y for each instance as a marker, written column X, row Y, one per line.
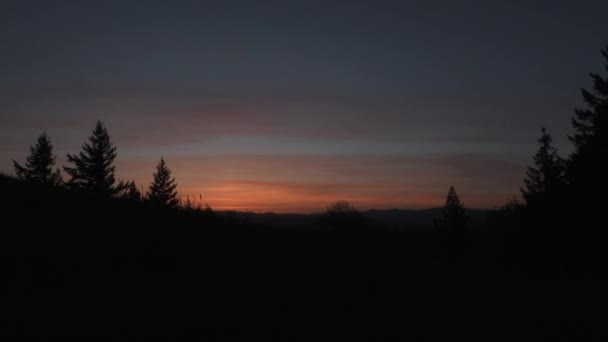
column 77, row 265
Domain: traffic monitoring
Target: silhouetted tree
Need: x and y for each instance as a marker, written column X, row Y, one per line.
column 544, row 181
column 162, row 190
column 39, row 164
column 587, row 172
column 343, row 216
column 454, row 220
column 588, row 165
column 129, row 191
column 94, row 166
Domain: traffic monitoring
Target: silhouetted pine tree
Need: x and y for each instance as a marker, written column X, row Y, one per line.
column 588, row 164
column 94, row 166
column 454, row 219
column 39, row 164
column 162, row 190
column 545, row 181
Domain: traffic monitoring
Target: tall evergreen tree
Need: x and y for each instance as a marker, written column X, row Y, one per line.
column 544, row 181
column 588, row 164
column 94, row 166
column 162, row 190
column 39, row 164
column 454, row 219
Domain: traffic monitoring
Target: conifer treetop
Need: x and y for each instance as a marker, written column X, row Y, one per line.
column 39, row 163
column 94, row 165
column 162, row 191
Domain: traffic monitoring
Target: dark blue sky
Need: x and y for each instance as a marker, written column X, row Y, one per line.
column 286, row 106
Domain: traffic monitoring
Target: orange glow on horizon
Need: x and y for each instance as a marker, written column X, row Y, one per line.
column 283, row 198
column 307, row 184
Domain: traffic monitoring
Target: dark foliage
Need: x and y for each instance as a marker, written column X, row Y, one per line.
column 93, row 168
column 139, row 270
column 129, row 191
column 39, row 164
column 453, row 223
column 589, row 162
column 162, row 190
column 343, row 218
column 571, row 216
column 545, row 180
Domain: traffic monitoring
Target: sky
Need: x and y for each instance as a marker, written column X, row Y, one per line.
column 288, row 106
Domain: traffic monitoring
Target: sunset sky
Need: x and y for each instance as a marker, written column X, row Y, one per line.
column 288, row 106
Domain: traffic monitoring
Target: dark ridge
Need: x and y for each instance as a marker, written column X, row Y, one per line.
column 80, row 265
column 395, row 219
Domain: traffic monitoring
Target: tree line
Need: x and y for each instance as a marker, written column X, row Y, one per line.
column 92, row 170
column 559, row 192
column 570, row 189
column 575, row 184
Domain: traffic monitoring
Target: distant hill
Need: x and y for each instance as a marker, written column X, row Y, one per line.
column 397, row 219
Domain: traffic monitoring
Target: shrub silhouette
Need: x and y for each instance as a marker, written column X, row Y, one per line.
column 39, row 164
